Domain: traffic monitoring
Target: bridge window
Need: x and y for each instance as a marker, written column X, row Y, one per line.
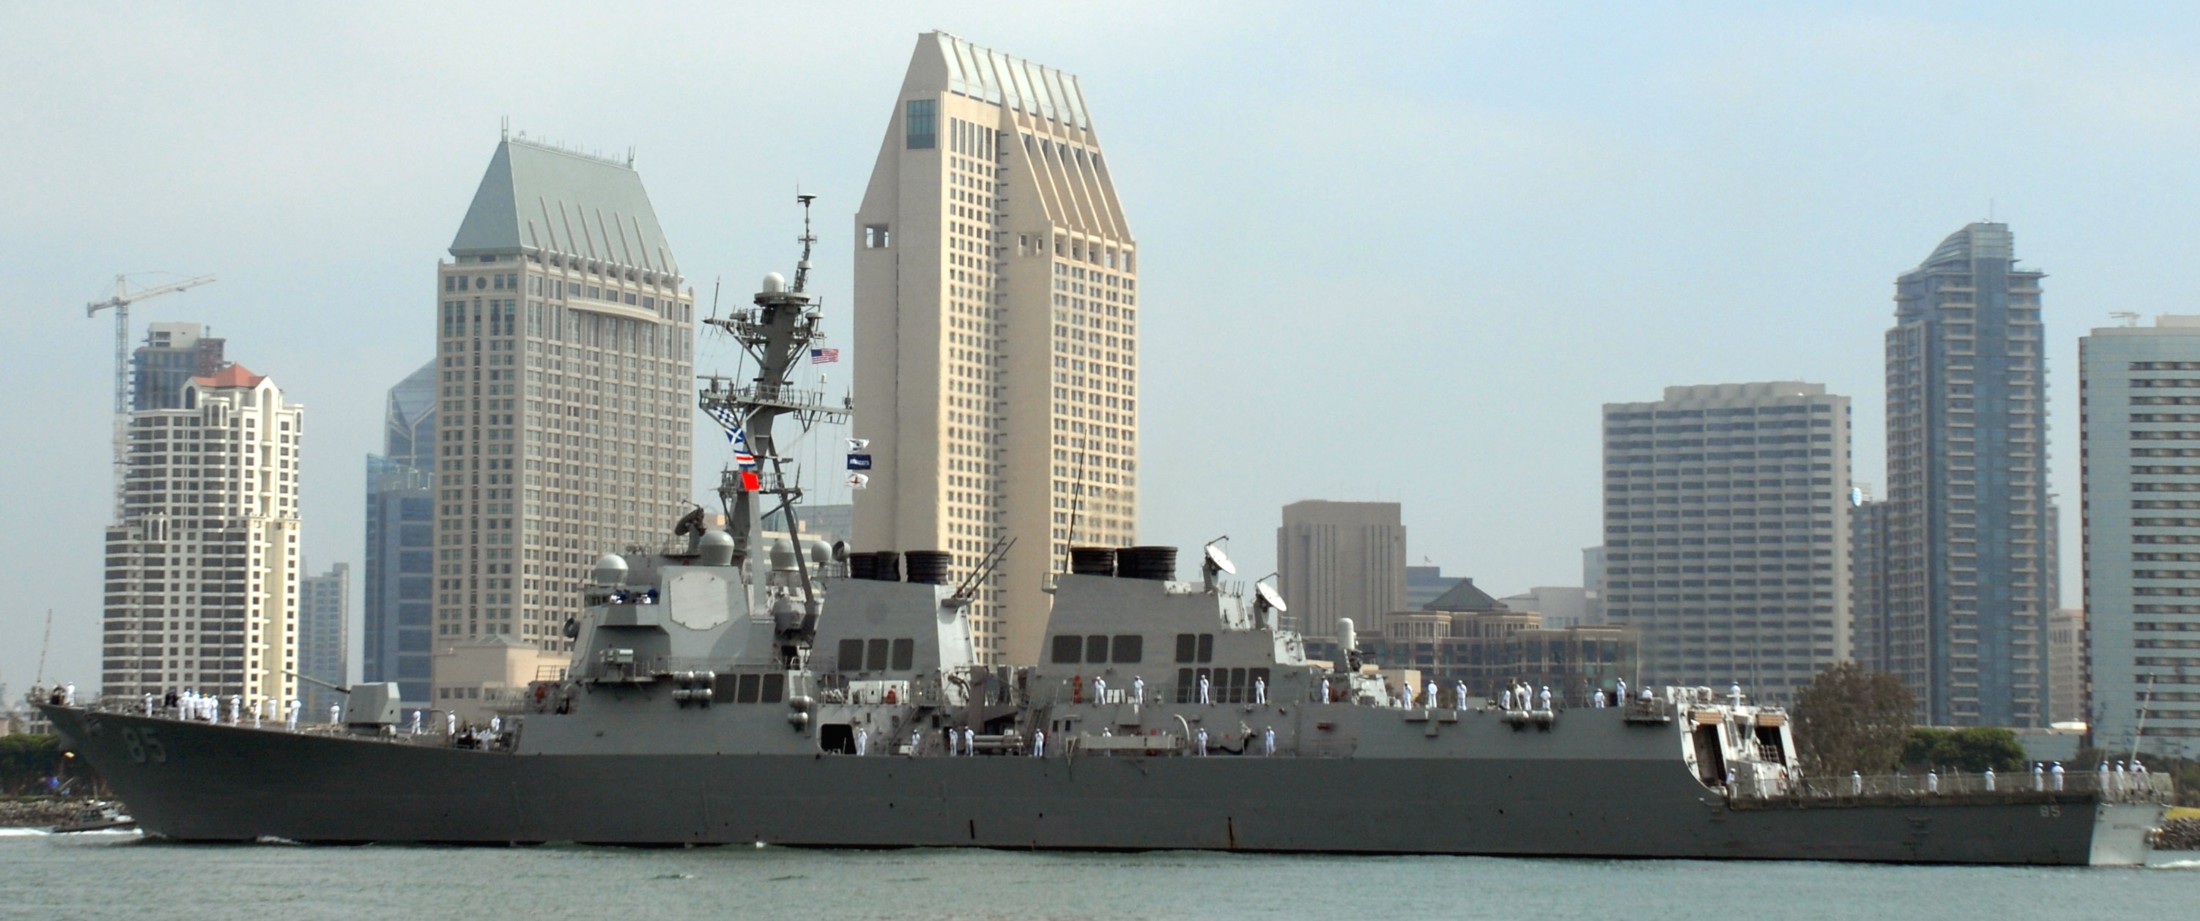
column 1129, row 648
column 1096, row 649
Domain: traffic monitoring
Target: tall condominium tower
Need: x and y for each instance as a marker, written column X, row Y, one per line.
column 1726, row 533
column 2138, row 388
column 1341, row 559
column 565, row 361
column 996, row 316
column 1968, row 521
column 202, row 568
column 172, row 355
column 1869, row 553
column 324, row 617
column 400, row 565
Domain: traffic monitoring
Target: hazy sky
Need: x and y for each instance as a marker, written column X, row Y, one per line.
column 1389, row 251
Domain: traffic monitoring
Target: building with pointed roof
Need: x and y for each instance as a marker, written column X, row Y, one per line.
column 400, row 564
column 203, row 572
column 996, row 323
column 564, row 364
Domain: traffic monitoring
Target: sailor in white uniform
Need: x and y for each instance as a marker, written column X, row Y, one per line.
column 148, row 703
column 1268, row 741
column 1429, row 698
column 1203, row 741
column 296, row 707
column 2057, row 772
column 1546, row 697
column 1407, row 700
column 1505, row 699
column 335, row 714
column 970, row 740
column 450, row 724
column 1621, row 694
column 916, row 743
column 1260, row 690
column 1459, row 695
column 1989, row 778
column 2039, row 778
column 1856, row 783
column 1099, row 691
column 1039, row 744
column 1600, row 699
column 863, row 742
column 68, row 695
column 1138, row 689
column 1205, row 696
column 416, row 722
column 496, row 725
column 1932, row 781
column 236, row 709
column 1325, row 690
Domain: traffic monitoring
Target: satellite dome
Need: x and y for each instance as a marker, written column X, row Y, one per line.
column 783, row 556
column 715, row 548
column 610, row 570
column 775, row 283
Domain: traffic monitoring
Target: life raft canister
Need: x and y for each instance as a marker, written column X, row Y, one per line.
column 889, row 695
column 1077, row 690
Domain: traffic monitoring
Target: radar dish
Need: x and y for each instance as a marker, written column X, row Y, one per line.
column 1268, row 595
column 1220, row 560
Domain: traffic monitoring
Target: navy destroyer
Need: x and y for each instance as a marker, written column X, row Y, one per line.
column 740, row 685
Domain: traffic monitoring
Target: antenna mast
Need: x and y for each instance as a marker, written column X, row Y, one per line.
column 808, row 239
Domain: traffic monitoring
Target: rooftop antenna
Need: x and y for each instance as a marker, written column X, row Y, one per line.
column 2127, row 317
column 802, row 269
column 714, row 285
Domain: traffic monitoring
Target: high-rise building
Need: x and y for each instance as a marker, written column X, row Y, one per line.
column 324, row 617
column 2137, row 389
column 2066, row 671
column 1726, row 533
column 996, row 316
column 202, row 567
column 1870, row 640
column 400, row 574
column 564, row 360
column 1427, row 583
column 172, row 355
column 1341, row 559
column 1968, row 520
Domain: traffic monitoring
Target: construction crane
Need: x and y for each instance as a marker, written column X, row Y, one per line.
column 120, row 303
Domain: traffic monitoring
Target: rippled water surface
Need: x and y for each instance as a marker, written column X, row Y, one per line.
column 111, row 875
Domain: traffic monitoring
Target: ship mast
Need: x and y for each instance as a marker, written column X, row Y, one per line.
column 761, row 488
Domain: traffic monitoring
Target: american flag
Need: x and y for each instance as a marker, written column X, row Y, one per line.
column 824, row 356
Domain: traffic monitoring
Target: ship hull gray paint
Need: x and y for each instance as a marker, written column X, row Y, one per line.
column 218, row 783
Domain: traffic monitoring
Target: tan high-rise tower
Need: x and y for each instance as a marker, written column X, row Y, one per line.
column 996, row 320
column 564, row 358
column 202, row 566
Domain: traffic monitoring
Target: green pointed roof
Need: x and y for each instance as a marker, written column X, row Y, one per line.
column 540, row 199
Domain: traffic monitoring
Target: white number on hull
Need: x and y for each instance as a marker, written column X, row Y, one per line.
column 2050, row 812
column 143, row 745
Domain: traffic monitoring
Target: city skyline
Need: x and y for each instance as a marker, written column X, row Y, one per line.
column 1710, row 160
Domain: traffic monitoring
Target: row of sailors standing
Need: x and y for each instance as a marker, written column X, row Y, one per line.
column 193, row 706
column 1206, row 690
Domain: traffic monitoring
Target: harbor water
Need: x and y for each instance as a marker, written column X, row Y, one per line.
column 119, row 875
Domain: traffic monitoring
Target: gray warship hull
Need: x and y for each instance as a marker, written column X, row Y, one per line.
column 1601, row 789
